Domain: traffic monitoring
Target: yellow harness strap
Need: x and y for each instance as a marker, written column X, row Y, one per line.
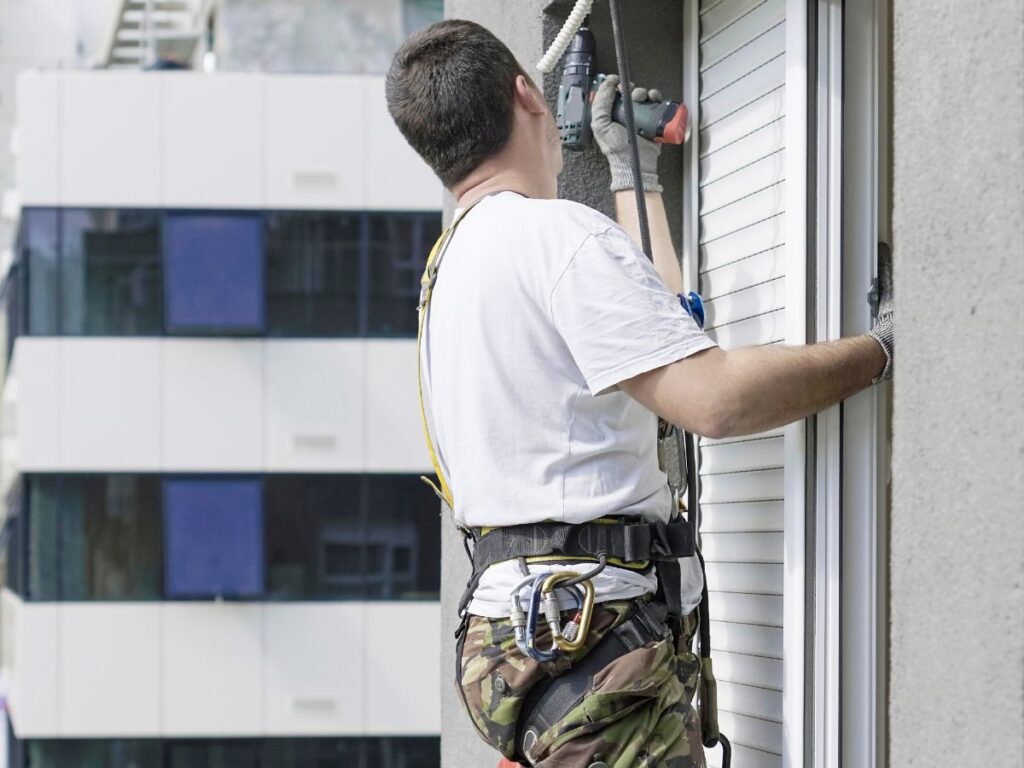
column 426, row 291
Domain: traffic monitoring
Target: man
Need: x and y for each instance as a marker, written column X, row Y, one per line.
column 550, row 347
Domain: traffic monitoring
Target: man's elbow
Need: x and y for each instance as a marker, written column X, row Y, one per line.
column 723, row 415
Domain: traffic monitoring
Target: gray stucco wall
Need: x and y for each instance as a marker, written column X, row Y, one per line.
column 957, row 525
column 654, row 40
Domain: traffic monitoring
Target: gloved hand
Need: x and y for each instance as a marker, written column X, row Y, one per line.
column 882, row 330
column 614, row 141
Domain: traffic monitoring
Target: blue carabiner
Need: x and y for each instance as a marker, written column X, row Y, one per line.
column 693, row 305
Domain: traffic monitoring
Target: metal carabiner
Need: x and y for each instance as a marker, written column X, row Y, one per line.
column 585, row 611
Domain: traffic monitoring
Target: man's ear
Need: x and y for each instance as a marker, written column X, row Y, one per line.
column 529, row 97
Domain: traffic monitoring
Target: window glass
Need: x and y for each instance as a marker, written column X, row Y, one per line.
column 10, row 540
column 110, row 272
column 213, row 266
column 403, row 529
column 110, row 538
column 399, row 244
column 313, row 268
column 39, row 251
column 93, row 753
column 43, row 515
column 213, row 530
column 314, row 537
column 221, row 753
column 317, row 753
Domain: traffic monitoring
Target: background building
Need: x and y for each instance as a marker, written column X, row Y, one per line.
column 865, row 570
column 217, row 551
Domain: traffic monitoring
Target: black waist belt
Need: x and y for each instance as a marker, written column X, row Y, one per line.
column 630, row 542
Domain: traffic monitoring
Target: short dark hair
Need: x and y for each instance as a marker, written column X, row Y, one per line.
column 451, row 91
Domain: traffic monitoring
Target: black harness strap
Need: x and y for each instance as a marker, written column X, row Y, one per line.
column 629, row 542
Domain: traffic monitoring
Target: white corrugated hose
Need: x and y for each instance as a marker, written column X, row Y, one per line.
column 562, row 40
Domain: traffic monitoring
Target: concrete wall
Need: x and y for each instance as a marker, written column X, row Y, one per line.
column 307, row 35
column 957, row 530
column 654, row 45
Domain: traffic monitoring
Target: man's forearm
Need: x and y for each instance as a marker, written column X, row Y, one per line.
column 665, row 259
column 775, row 385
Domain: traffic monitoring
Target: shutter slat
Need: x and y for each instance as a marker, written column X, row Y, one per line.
column 745, row 91
column 769, row 109
column 743, row 517
column 732, row 38
column 720, row 15
column 763, row 485
column 748, row 578
column 742, row 547
column 750, row 700
column 744, row 212
column 746, row 609
column 759, row 51
column 737, row 457
column 751, row 732
column 754, row 177
column 757, row 238
column 745, row 757
column 756, row 300
column 763, row 329
column 763, row 139
column 753, row 270
column 748, row 670
column 746, row 639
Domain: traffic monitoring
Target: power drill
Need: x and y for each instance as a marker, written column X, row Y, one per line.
column 663, row 122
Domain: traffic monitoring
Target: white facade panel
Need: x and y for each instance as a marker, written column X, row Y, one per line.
column 405, row 690
column 212, row 406
column 41, row 25
column 396, row 178
column 35, row 367
column 211, row 669
column 109, row 666
column 110, row 138
column 212, row 140
column 109, row 404
column 315, row 405
column 314, row 669
column 315, row 164
column 32, row 666
column 394, row 439
column 38, row 108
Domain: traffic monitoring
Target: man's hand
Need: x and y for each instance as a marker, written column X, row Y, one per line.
column 613, row 139
column 882, row 330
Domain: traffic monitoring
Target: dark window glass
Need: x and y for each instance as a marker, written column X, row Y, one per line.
column 92, row 753
column 404, row 522
column 110, row 273
column 213, row 267
column 11, row 539
column 39, row 251
column 42, row 538
column 350, row 536
column 399, row 244
column 313, row 268
column 110, row 538
column 314, row 537
column 214, row 754
column 214, row 537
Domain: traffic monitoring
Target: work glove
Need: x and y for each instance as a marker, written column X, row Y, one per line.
column 882, row 330
column 613, row 139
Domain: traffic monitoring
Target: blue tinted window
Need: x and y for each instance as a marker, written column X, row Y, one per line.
column 213, row 531
column 213, row 266
column 398, row 248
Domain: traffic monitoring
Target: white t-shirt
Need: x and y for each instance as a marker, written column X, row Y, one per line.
column 540, row 309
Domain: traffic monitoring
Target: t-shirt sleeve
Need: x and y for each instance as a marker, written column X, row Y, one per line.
column 617, row 316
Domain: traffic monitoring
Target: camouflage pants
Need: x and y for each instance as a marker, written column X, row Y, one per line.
column 636, row 714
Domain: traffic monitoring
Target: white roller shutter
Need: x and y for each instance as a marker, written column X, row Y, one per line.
column 745, row 264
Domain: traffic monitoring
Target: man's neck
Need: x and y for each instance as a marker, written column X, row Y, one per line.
column 478, row 186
